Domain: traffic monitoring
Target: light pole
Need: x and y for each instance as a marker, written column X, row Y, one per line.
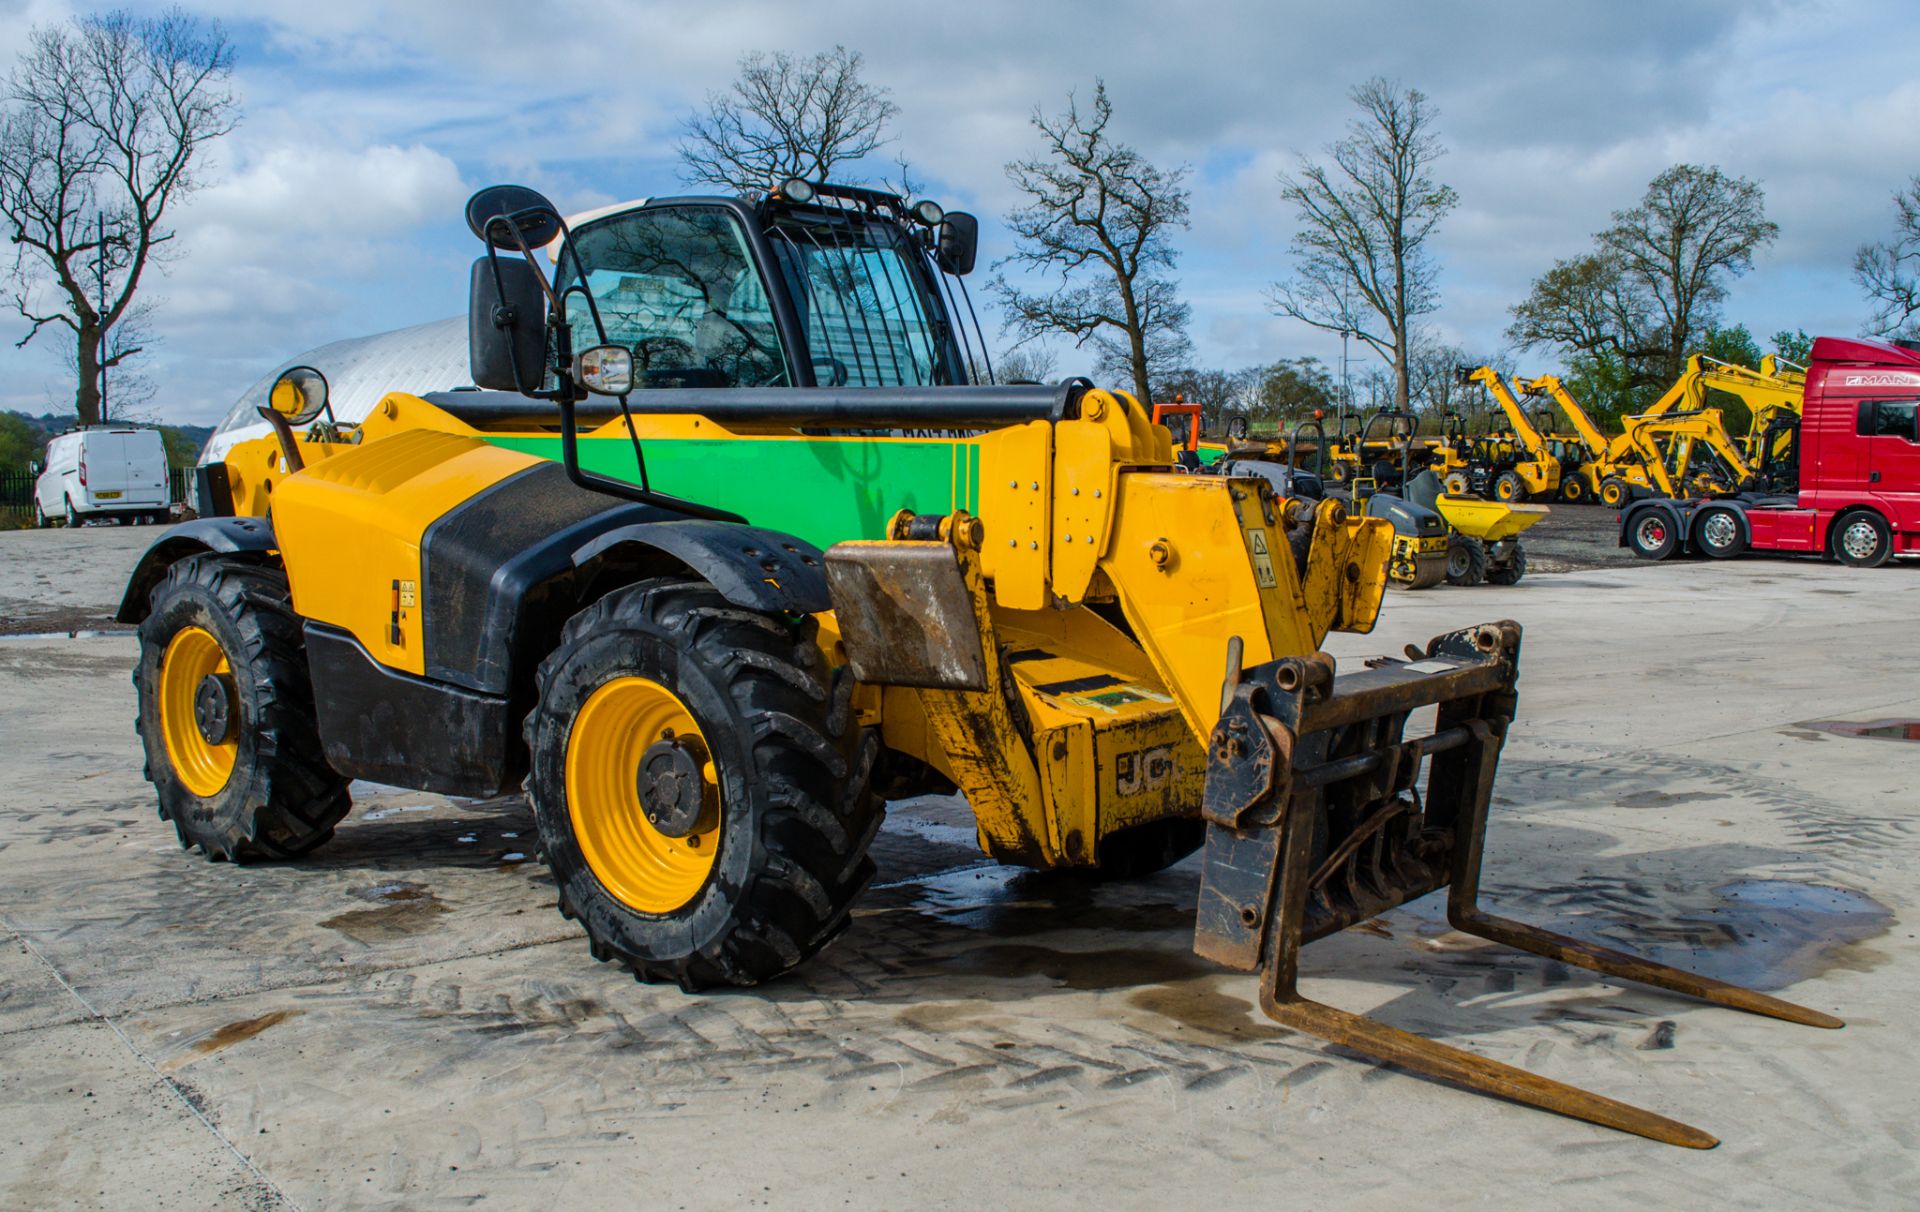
column 1346, row 390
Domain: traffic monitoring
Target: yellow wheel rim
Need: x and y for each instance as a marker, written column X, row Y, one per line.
column 642, row 867
column 202, row 766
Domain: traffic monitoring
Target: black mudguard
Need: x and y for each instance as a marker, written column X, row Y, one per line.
column 752, row 567
column 224, row 535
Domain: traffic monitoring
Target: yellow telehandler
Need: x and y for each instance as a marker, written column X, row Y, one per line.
column 707, row 689
column 1666, row 452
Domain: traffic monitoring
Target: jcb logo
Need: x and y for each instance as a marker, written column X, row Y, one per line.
column 1143, row 770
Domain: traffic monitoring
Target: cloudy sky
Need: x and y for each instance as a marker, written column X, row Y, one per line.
column 334, row 211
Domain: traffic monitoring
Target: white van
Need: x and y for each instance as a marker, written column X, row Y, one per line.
column 108, row 471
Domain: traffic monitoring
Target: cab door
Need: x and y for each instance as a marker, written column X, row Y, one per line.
column 1890, row 431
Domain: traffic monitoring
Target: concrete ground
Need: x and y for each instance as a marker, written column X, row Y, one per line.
column 404, row 1021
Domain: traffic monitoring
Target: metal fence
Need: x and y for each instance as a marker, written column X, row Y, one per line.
column 16, row 492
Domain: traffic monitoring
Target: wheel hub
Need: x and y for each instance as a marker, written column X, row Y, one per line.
column 1719, row 531
column 1860, row 540
column 213, row 709
column 672, row 789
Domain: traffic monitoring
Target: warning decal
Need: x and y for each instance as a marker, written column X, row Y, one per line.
column 1262, row 561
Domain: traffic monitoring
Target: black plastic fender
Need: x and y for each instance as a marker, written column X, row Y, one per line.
column 225, row 535
column 751, row 566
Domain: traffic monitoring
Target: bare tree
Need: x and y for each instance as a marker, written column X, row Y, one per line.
column 1653, row 284
column 786, row 117
column 1889, row 270
column 1361, row 261
column 103, row 124
column 1097, row 218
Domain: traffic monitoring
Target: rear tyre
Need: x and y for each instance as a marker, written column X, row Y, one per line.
column 1614, row 492
column 73, row 515
column 226, row 714
column 1862, row 539
column 40, row 519
column 1456, row 483
column 1717, row 531
column 1135, row 853
column 1509, row 487
column 1573, row 489
column 1466, row 561
column 702, row 795
column 1511, row 572
column 1652, row 536
column 1339, row 473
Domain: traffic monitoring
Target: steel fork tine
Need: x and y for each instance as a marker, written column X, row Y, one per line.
column 1607, row 962
column 1408, row 1051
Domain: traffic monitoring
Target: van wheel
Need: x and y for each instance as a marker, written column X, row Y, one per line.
column 1862, row 539
column 73, row 517
column 1717, row 532
column 226, row 714
column 40, row 519
column 1652, row 536
column 703, row 797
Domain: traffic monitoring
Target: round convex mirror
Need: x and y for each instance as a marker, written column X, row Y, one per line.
column 299, row 394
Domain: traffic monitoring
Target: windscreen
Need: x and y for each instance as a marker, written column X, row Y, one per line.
column 677, row 285
column 867, row 315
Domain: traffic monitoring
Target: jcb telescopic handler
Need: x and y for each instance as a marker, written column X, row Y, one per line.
column 1660, row 453
column 1022, row 597
column 1508, row 465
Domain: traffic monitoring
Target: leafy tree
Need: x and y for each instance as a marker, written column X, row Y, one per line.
column 1098, row 218
column 101, row 132
column 1889, row 270
column 21, row 444
column 1795, row 346
column 1361, row 263
column 1654, row 281
column 786, row 116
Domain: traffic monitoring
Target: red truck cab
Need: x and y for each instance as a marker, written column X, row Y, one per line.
column 1858, row 461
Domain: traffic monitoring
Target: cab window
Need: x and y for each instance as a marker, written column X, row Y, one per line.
column 678, row 286
column 1889, row 419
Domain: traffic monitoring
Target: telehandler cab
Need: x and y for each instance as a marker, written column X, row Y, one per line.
column 1114, row 661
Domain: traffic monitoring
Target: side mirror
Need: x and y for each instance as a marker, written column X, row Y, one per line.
column 506, row 326
column 497, row 212
column 299, row 394
column 958, row 243
column 1237, row 426
column 605, row 370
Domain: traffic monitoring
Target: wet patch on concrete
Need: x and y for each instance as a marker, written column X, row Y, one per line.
column 1763, row 934
column 402, row 908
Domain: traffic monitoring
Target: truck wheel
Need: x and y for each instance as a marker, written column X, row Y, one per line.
column 1614, row 492
column 1652, row 536
column 1510, row 572
column 1509, row 487
column 1717, row 532
column 1466, row 561
column 702, row 797
column 1573, row 489
column 226, row 714
column 1862, row 539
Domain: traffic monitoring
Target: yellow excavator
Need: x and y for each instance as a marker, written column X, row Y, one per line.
column 1664, row 451
column 1511, row 465
column 711, row 606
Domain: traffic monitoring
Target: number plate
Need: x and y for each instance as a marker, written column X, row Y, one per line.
column 106, row 496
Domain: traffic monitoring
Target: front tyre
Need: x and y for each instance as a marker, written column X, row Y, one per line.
column 1509, row 487
column 702, row 794
column 1512, row 571
column 226, row 714
column 1862, row 539
column 1573, row 489
column 1466, row 561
